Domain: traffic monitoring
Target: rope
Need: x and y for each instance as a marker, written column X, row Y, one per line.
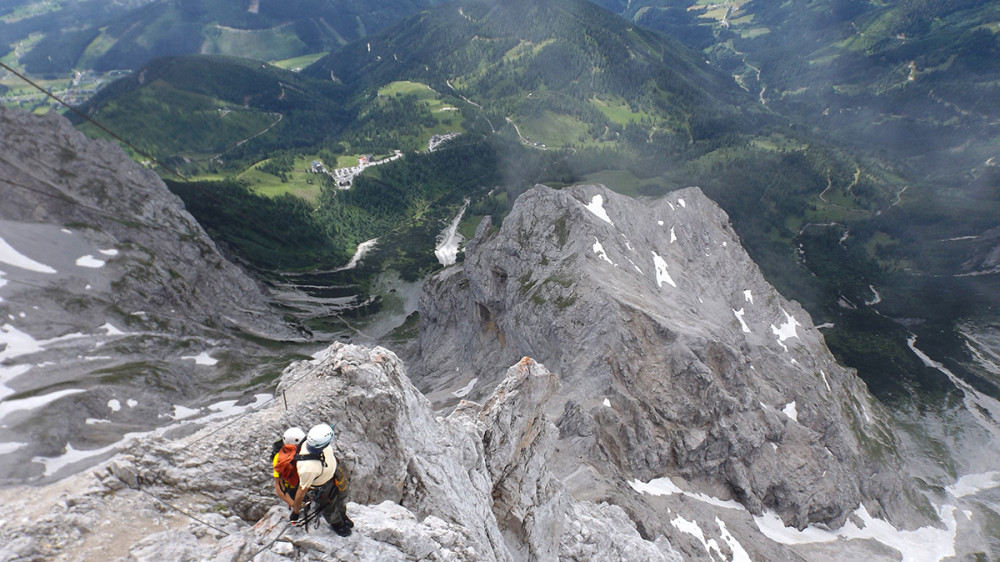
column 264, row 228
column 274, row 540
column 92, row 122
column 241, row 415
column 168, row 504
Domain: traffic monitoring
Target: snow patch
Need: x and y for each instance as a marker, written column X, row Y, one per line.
column 607, row 403
column 465, row 390
column 8, row 374
column 7, row 448
column 114, row 404
column 665, row 487
column 10, row 256
column 748, row 296
column 182, row 412
column 826, row 382
column 89, row 261
column 450, row 239
column 111, row 252
column 17, row 343
column 8, row 407
column 681, row 203
column 599, row 250
column 112, row 331
column 972, row 484
column 876, row 298
column 739, row 316
column 596, row 206
column 659, row 223
column 925, row 543
column 228, row 408
column 363, row 248
column 202, row 358
column 95, row 421
column 692, row 528
column 787, row 330
column 739, row 553
column 71, row 455
column 789, row 410
column 673, row 235
column 661, row 271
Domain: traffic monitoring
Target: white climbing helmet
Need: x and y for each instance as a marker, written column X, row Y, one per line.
column 320, row 436
column 294, row 436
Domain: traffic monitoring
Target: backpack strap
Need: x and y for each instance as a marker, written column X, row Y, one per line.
column 311, row 457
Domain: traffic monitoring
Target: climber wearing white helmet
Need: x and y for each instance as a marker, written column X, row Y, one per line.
column 286, row 478
column 318, row 471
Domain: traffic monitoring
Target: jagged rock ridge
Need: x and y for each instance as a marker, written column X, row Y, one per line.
column 678, row 358
column 472, row 486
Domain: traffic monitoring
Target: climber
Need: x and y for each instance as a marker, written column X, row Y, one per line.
column 286, row 477
column 322, row 478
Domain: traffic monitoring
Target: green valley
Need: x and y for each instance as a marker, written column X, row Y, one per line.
column 562, row 91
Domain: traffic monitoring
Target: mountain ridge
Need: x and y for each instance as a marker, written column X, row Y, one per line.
column 119, row 308
column 623, row 298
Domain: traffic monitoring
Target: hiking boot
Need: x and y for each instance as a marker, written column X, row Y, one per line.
column 348, row 522
column 343, row 530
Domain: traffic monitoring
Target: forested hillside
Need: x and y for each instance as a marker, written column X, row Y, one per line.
column 563, row 91
column 100, row 36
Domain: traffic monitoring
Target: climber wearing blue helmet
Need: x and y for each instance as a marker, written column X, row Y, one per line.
column 320, row 474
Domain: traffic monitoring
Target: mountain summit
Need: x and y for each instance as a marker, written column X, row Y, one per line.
column 676, row 355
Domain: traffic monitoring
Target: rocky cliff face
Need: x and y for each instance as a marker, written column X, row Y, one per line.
column 471, row 486
column 677, row 357
column 54, row 175
column 117, row 306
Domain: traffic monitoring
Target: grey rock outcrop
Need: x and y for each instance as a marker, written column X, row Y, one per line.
column 676, row 355
column 472, row 486
column 53, row 174
column 117, row 306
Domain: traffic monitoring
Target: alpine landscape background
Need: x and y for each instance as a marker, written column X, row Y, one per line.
column 646, row 280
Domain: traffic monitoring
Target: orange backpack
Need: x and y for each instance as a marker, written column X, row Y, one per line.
column 285, row 465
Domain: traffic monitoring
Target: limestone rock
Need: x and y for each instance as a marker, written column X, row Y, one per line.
column 474, row 485
column 119, row 299
column 677, row 357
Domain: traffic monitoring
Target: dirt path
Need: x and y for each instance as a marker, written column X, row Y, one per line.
column 899, row 196
column 467, row 100
column 525, row 141
column 829, row 184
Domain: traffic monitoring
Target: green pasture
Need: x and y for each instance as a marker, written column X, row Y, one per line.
column 301, row 183
column 446, row 116
column 617, row 110
column 525, row 48
column 554, row 130
column 98, row 47
column 263, row 44
column 297, row 63
column 754, row 32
